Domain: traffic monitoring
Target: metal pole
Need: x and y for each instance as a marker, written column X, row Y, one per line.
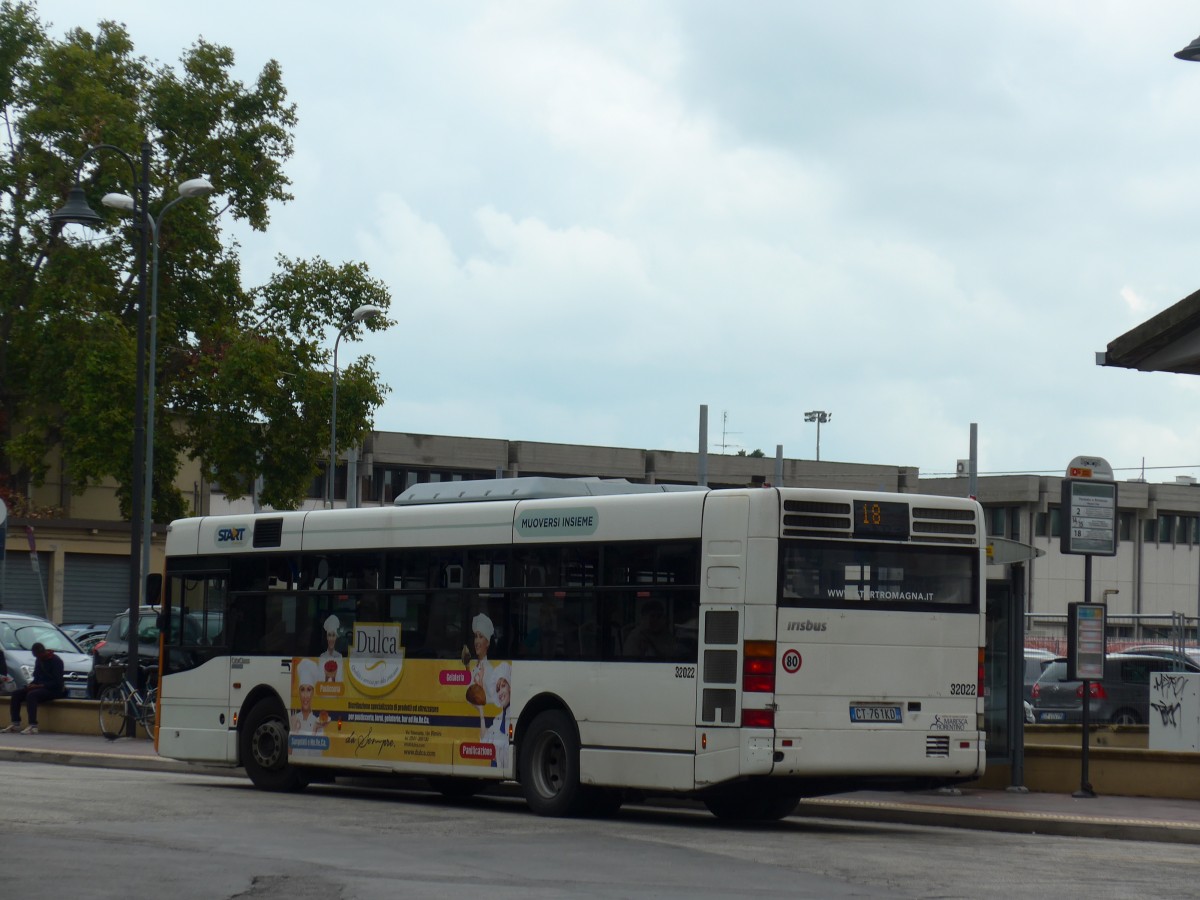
column 1085, row 786
column 973, row 481
column 136, row 585
column 702, row 456
column 148, row 481
column 332, row 427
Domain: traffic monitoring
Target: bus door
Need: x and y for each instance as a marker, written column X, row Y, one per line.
column 194, row 707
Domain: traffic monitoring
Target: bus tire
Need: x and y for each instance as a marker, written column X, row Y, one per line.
column 752, row 807
column 264, row 749
column 548, row 763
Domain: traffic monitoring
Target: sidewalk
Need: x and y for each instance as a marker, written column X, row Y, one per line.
column 1120, row 818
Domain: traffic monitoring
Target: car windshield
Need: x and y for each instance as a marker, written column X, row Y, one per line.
column 148, row 628
column 24, row 636
column 1055, row 671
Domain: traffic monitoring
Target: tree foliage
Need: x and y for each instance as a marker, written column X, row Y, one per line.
column 242, row 372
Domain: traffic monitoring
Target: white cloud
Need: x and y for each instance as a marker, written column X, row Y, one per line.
column 595, row 218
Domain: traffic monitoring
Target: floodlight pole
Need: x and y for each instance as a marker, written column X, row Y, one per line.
column 77, row 210
column 365, row 311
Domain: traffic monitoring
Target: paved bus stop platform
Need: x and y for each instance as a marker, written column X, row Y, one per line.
column 1121, row 818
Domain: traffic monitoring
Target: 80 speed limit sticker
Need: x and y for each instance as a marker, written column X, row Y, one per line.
column 791, row 661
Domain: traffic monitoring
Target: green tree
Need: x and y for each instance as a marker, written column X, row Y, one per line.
column 242, row 371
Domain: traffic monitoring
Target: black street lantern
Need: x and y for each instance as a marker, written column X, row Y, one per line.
column 1190, row 53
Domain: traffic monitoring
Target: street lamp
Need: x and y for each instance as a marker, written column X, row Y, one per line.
column 820, row 417
column 1190, row 53
column 77, row 210
column 363, row 312
column 193, row 187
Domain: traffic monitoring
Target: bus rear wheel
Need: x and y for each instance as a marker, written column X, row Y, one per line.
column 548, row 764
column 264, row 749
column 754, row 806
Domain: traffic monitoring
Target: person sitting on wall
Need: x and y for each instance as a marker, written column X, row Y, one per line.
column 45, row 685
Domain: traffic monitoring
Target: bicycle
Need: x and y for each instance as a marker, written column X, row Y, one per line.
column 122, row 702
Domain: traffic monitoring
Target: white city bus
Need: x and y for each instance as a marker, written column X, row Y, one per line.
column 587, row 639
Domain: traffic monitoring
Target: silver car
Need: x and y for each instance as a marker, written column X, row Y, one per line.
column 19, row 632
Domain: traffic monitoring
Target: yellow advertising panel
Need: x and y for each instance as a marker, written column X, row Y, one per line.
column 375, row 705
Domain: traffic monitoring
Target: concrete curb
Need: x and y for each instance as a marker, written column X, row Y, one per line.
column 1059, row 824
column 113, row 760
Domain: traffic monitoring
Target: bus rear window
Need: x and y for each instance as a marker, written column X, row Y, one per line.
column 826, row 574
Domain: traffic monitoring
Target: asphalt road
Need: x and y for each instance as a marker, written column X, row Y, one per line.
column 98, row 833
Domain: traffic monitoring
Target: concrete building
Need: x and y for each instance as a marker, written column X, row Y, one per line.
column 83, row 551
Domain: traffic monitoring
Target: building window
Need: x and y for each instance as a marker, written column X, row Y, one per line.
column 1040, row 524
column 1166, row 528
column 1055, row 522
column 1014, row 523
column 1125, row 522
column 1182, row 528
column 995, row 521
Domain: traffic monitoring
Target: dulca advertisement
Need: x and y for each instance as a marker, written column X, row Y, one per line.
column 373, row 704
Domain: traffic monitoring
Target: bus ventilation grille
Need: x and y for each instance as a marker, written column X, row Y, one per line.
column 816, row 518
column 944, row 526
column 822, row 519
column 268, row 533
column 721, row 627
column 937, row 745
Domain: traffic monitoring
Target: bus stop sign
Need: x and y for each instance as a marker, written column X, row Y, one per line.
column 1089, row 508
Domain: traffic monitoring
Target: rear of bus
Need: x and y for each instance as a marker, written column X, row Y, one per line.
column 861, row 636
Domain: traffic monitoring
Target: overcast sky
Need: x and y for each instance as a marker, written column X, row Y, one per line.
column 595, row 217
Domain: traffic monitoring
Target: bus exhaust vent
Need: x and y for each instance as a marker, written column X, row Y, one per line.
column 937, row 746
column 268, row 533
column 815, row 518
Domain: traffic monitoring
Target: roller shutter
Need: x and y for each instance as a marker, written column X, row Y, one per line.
column 20, row 591
column 95, row 587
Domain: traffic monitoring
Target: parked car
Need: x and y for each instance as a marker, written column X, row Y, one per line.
column 1122, row 698
column 19, row 632
column 1185, row 656
column 85, row 635
column 1036, row 661
column 113, row 648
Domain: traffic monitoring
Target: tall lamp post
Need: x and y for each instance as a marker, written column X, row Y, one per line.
column 193, row 187
column 77, row 210
column 363, row 312
column 820, row 417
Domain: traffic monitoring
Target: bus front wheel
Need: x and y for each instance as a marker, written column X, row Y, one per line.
column 264, row 749
column 548, row 764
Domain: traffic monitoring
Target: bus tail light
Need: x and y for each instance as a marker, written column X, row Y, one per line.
column 758, row 667
column 758, row 718
column 981, row 689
